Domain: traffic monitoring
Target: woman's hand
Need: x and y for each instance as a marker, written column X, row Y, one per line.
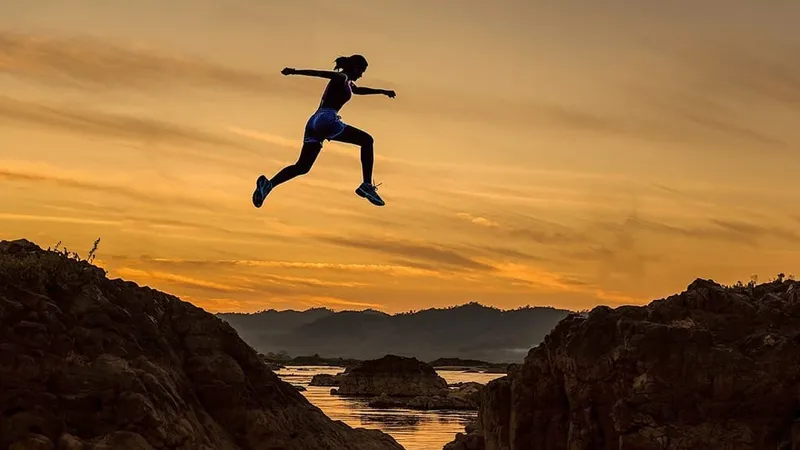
column 389, row 94
column 287, row 71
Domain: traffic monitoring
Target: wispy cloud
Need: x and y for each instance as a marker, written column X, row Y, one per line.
column 63, row 219
column 436, row 254
column 527, row 229
column 87, row 61
column 131, row 193
column 176, row 279
column 315, row 301
column 393, row 269
column 478, row 220
column 705, row 99
column 85, row 121
column 726, row 230
column 295, row 281
column 543, row 279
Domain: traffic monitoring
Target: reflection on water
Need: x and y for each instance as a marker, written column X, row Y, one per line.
column 414, row 430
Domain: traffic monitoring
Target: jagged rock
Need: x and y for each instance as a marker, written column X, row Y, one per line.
column 712, row 367
column 466, row 442
column 465, row 397
column 394, row 375
column 469, row 392
column 325, row 380
column 92, row 363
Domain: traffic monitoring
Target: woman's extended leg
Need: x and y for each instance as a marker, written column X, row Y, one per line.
column 304, row 162
column 308, row 154
column 353, row 135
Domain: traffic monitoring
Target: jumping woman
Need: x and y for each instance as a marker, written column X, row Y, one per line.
column 326, row 123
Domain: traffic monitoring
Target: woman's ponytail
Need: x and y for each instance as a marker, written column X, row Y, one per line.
column 341, row 63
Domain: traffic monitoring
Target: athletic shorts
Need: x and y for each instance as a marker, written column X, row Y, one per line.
column 325, row 123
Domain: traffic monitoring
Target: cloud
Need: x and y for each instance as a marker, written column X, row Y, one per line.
column 181, row 280
column 529, row 229
column 215, row 304
column 87, row 61
column 393, row 269
column 477, row 220
column 525, row 275
column 291, row 281
column 84, row 121
column 316, row 301
column 685, row 106
column 756, row 231
column 430, row 253
column 701, row 94
column 63, row 219
column 153, row 198
column 754, row 70
column 507, row 253
column 726, row 230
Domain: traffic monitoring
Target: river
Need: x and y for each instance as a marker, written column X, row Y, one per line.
column 414, row 430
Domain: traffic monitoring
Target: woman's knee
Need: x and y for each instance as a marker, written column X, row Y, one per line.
column 302, row 169
column 367, row 140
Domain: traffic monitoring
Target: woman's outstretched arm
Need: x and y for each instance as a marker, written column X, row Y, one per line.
column 313, row 73
column 358, row 90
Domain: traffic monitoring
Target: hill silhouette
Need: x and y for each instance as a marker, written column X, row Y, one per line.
column 89, row 362
column 469, row 331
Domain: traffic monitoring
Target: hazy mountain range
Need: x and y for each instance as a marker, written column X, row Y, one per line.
column 469, row 331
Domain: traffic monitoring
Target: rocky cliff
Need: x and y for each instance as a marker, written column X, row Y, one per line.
column 92, row 363
column 711, row 368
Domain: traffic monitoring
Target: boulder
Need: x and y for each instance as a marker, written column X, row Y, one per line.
column 395, row 376
column 325, row 380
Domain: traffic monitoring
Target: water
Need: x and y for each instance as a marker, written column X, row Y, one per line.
column 414, row 430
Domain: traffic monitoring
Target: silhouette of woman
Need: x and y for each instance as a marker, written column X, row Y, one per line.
column 326, row 123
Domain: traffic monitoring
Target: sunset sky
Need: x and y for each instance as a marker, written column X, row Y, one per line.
column 567, row 153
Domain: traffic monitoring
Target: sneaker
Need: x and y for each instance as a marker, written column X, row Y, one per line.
column 370, row 192
column 263, row 187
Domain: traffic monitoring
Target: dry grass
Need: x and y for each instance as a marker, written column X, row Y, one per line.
column 46, row 269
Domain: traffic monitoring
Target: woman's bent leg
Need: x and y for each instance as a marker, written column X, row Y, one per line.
column 303, row 165
column 353, row 135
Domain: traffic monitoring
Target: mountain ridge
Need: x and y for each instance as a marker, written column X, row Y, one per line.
column 469, row 331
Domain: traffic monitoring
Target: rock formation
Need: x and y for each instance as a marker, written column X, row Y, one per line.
column 399, row 382
column 92, row 363
column 464, row 398
column 711, row 368
column 394, row 376
column 324, row 379
column 472, row 439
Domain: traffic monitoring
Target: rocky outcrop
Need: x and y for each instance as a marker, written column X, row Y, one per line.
column 394, row 376
column 272, row 365
column 471, row 439
column 326, row 380
column 710, row 368
column 464, row 397
column 92, row 363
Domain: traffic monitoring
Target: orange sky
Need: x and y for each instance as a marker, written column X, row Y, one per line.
column 537, row 153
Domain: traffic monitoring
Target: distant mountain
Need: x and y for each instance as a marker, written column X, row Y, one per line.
column 264, row 324
column 469, row 331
